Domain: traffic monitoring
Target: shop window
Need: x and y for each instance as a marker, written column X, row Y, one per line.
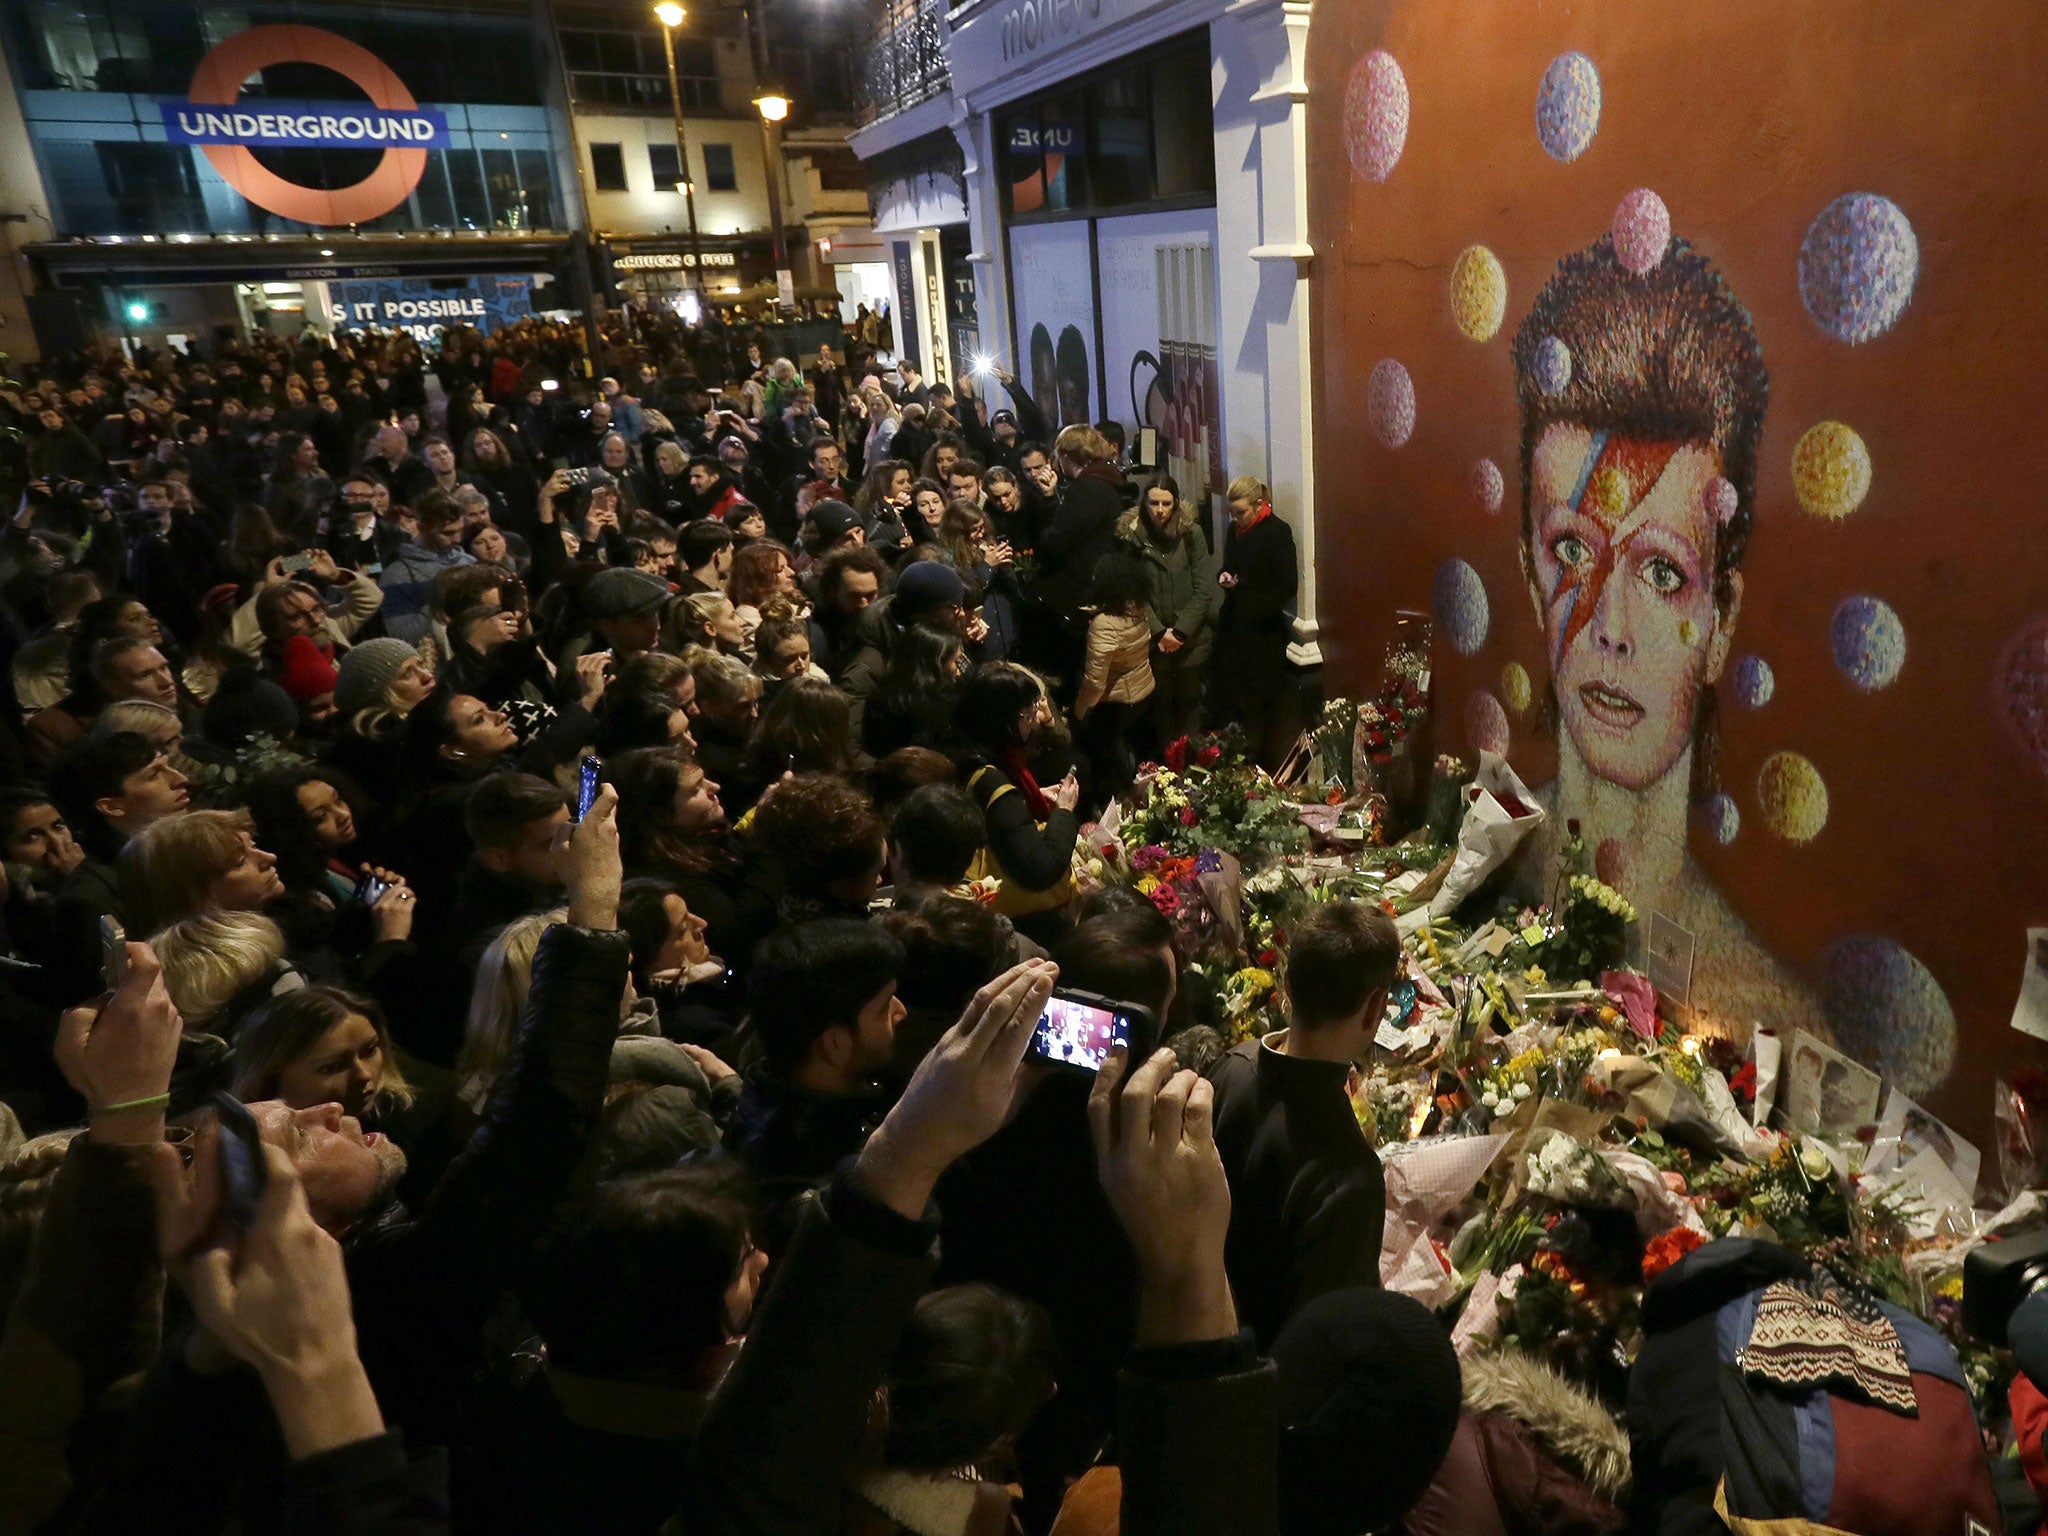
column 608, row 167
column 1183, row 126
column 1138, row 132
column 666, row 165
column 1120, row 160
column 720, row 174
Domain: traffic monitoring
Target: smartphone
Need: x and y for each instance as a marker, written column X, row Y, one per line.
column 586, row 787
column 243, row 1171
column 113, row 951
column 369, row 889
column 1080, row 1029
column 291, row 565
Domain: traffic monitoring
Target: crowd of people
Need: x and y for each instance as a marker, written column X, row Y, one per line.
column 528, row 896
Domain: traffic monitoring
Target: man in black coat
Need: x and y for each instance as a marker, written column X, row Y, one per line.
column 1080, row 531
column 1248, row 667
column 1308, row 1201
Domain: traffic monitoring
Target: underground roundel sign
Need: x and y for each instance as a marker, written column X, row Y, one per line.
column 226, row 127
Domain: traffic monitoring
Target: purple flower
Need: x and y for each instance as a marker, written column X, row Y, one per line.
column 1151, row 856
column 1208, row 862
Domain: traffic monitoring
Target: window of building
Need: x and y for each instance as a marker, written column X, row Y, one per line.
column 608, row 167
column 630, row 69
column 720, row 174
column 666, row 165
column 1138, row 133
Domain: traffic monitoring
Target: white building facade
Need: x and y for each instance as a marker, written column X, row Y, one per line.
column 1108, row 199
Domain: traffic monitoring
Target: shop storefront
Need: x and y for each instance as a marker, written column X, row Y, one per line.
column 200, row 171
column 1135, row 228
column 676, row 272
column 920, row 196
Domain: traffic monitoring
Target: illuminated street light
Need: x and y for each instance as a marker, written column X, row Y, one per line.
column 670, row 15
column 774, row 106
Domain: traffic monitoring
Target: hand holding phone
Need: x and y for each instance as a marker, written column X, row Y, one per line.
column 113, row 951
column 244, row 1169
column 587, row 785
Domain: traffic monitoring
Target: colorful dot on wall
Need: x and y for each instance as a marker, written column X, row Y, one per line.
column 1857, row 266
column 1793, row 796
column 1722, row 819
column 1641, row 230
column 1479, row 293
column 2020, row 688
column 1376, row 115
column 1486, row 724
column 1515, row 689
column 1462, row 612
column 1869, row 642
column 1568, row 106
column 1887, row 1010
column 1755, row 682
column 1720, row 500
column 1489, row 487
column 1552, row 366
column 1830, row 470
column 1390, row 402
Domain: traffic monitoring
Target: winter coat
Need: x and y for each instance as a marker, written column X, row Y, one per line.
column 783, row 1439
column 1119, row 663
column 1308, row 1201
column 1533, row 1456
column 1082, row 530
column 1185, row 597
column 1252, row 626
column 408, row 583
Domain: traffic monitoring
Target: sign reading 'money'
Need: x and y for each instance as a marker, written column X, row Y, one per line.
column 225, row 127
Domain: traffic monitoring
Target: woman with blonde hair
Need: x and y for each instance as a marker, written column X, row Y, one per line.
column 321, row 1045
column 1248, row 669
column 213, row 961
column 504, row 977
column 203, row 861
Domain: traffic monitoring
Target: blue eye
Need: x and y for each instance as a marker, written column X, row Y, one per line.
column 1663, row 577
column 1571, row 550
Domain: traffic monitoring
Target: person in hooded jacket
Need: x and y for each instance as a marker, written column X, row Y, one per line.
column 1167, row 533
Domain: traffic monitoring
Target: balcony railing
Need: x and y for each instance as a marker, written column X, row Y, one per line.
column 905, row 62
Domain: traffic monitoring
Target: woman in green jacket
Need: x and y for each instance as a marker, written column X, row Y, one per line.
column 1167, row 532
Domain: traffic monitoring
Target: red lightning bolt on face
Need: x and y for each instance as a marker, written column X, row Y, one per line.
column 1619, row 477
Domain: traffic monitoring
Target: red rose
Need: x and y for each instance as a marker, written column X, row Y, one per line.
column 1269, row 957
column 1209, row 756
column 1177, row 754
column 1743, row 1084
column 1187, row 816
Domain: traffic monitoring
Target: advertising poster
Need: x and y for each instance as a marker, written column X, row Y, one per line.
column 1052, row 286
column 1158, row 278
column 423, row 307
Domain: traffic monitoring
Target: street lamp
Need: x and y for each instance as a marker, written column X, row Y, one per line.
column 774, row 107
column 670, row 15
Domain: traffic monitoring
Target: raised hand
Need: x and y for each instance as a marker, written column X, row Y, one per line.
column 960, row 1094
column 276, row 1297
column 1067, row 793
column 119, row 1054
column 587, row 858
column 1155, row 1152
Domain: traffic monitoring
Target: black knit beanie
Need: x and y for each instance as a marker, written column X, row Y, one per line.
column 1369, row 1397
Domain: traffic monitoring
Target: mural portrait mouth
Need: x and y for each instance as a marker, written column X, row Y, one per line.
column 1610, row 706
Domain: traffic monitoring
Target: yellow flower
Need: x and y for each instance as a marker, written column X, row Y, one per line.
column 1534, row 976
column 1255, row 978
column 1147, row 885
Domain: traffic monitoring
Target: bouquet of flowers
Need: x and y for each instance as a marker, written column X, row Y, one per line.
column 1216, row 800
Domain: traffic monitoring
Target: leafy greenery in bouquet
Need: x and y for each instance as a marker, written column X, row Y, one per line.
column 1206, row 795
column 1590, row 934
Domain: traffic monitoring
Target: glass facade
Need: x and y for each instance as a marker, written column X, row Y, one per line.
column 1134, row 135
column 90, row 75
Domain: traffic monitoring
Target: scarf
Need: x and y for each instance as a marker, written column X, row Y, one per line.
column 1260, row 513
column 1012, row 762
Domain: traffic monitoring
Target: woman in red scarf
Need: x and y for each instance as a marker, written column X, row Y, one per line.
column 1031, row 831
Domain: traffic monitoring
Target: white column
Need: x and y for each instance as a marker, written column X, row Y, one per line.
column 985, row 249
column 1260, row 50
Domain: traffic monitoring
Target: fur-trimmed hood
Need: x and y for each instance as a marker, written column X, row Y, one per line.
column 1569, row 1424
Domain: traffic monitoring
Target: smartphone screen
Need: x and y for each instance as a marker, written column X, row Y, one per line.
column 370, row 889
column 113, row 951
column 243, row 1172
column 1079, row 1031
column 586, row 788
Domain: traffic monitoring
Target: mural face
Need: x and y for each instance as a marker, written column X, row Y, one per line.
column 1621, row 567
column 1768, row 634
